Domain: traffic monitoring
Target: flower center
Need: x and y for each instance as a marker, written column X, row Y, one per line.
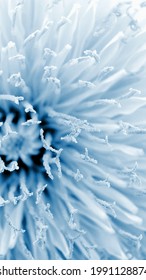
column 12, row 146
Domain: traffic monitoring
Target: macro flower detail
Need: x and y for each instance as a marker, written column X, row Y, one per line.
column 72, row 129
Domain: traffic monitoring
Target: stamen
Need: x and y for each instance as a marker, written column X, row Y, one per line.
column 87, row 158
column 39, row 193
column 15, row 99
column 3, row 202
column 16, row 230
column 25, row 191
column 78, row 176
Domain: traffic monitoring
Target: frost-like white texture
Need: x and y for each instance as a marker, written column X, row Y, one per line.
column 72, row 129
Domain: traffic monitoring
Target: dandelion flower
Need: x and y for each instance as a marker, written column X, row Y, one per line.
column 72, row 129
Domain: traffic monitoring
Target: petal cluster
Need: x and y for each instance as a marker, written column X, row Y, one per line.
column 72, row 129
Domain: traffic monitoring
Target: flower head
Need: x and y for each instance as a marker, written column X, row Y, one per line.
column 72, row 129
